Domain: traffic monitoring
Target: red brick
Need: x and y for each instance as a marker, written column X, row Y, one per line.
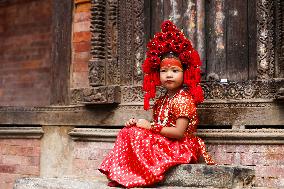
column 274, row 149
column 82, row 57
column 25, row 38
column 80, row 79
column 21, row 142
column 82, row 47
column 7, row 168
column 224, row 159
column 6, row 185
column 82, row 16
column 28, row 170
column 80, row 67
column 267, row 182
column 34, row 161
column 270, row 171
column 14, row 160
column 83, row 7
column 33, row 64
column 81, row 1
column 25, row 151
column 82, row 36
column 80, row 163
column 4, row 148
column 8, row 177
column 253, row 159
column 82, row 26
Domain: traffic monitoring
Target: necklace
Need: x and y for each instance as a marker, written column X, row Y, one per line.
column 166, row 100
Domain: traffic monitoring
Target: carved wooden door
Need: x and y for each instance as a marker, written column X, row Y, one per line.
column 240, row 43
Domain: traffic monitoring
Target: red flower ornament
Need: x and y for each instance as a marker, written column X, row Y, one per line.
column 168, row 26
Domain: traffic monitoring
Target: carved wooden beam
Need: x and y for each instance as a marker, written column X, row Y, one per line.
column 97, row 95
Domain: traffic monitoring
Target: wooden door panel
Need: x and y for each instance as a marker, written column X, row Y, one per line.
column 215, row 40
column 237, row 40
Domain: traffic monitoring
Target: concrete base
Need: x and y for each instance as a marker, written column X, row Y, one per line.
column 182, row 176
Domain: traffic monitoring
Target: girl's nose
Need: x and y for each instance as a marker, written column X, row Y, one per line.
column 169, row 74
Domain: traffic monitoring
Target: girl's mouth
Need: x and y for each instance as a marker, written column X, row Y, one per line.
column 169, row 81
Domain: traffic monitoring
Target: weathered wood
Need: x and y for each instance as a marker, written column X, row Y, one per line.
column 61, row 51
column 139, row 42
column 112, row 66
column 97, row 65
column 189, row 20
column 215, row 39
column 252, row 54
column 280, row 39
column 147, row 20
column 173, row 10
column 156, row 16
column 237, row 40
column 265, row 14
column 200, row 34
column 127, row 28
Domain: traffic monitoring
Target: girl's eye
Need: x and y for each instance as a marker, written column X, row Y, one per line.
column 162, row 70
column 175, row 71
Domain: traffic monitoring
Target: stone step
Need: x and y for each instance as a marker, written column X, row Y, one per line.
column 182, row 176
column 201, row 175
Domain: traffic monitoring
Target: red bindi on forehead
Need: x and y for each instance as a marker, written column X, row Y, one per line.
column 170, row 62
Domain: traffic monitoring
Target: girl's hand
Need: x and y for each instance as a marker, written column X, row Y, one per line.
column 131, row 122
column 143, row 123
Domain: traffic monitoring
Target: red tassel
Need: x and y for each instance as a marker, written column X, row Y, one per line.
column 146, row 82
column 197, row 94
column 152, row 90
column 197, row 75
column 186, row 77
column 146, row 101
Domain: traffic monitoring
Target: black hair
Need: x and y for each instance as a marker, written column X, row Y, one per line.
column 169, row 55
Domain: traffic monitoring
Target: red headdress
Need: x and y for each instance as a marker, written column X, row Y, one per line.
column 171, row 40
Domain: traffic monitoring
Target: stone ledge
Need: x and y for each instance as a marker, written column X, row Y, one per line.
column 182, row 176
column 21, row 132
column 211, row 136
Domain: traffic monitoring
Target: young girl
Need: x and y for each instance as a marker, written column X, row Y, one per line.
column 145, row 150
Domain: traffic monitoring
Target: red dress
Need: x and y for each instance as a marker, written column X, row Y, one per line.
column 141, row 157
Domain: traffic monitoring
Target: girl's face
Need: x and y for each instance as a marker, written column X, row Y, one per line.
column 171, row 77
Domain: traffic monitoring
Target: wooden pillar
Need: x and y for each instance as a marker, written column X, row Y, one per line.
column 61, row 51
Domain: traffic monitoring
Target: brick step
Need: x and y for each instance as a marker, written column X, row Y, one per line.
column 182, row 176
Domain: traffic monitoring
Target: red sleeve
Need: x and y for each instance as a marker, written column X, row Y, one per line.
column 184, row 106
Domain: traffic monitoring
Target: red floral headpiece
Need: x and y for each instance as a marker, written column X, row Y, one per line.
column 171, row 40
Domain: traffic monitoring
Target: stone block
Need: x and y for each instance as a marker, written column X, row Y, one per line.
column 218, row 176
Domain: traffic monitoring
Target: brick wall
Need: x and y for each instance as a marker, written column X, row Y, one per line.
column 88, row 156
column 81, row 44
column 267, row 160
column 25, row 51
column 18, row 158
